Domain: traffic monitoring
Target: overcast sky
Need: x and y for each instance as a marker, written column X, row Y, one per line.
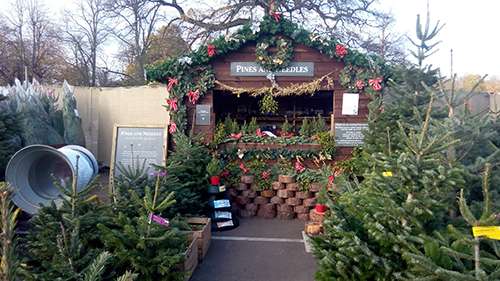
column 471, row 30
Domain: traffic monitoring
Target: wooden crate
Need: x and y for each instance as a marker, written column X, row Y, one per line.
column 191, row 258
column 203, row 234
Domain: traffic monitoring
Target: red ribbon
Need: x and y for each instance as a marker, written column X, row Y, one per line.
column 340, row 50
column 299, row 167
column 171, row 83
column 236, row 136
column 211, row 50
column 276, row 16
column 193, row 96
column 172, row 103
column 375, row 83
column 173, row 128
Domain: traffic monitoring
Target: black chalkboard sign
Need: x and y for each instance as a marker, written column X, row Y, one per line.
column 133, row 144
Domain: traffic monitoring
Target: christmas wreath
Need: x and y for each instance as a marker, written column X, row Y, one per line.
column 280, row 59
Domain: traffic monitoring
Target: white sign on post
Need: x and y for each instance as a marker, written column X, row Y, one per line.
column 350, row 104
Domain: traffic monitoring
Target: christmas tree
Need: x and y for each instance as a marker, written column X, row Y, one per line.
column 404, row 194
column 455, row 253
column 9, row 266
column 151, row 250
column 187, row 168
column 10, row 140
column 400, row 222
column 62, row 242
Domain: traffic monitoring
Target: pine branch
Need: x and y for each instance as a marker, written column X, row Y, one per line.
column 96, row 268
column 128, row 276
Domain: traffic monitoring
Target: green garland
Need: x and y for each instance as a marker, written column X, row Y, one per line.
column 268, row 154
column 193, row 71
column 281, row 59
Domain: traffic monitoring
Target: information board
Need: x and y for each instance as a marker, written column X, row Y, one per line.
column 349, row 134
column 135, row 144
column 203, row 114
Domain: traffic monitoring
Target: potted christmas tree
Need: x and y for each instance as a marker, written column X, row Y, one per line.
column 328, row 182
column 321, row 201
column 214, row 169
column 286, row 171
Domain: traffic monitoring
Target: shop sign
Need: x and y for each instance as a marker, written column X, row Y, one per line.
column 298, row 69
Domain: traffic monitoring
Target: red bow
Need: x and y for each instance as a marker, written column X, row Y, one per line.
column 276, row 16
column 375, row 83
column 211, row 50
column 173, row 128
column 299, row 167
column 193, row 96
column 243, row 168
column 265, row 175
column 360, row 84
column 225, row 174
column 259, row 133
column 172, row 103
column 331, row 179
column 236, row 136
column 171, row 83
column 340, row 50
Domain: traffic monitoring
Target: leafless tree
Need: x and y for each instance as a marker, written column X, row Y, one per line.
column 137, row 21
column 86, row 32
column 387, row 43
column 332, row 17
column 30, row 44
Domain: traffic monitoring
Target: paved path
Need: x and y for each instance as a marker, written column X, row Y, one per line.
column 258, row 250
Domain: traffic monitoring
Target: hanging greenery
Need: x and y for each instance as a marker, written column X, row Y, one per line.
column 193, row 72
column 281, row 59
column 268, row 104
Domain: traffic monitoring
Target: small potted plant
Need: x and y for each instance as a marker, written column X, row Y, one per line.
column 264, row 183
column 214, row 170
column 286, row 171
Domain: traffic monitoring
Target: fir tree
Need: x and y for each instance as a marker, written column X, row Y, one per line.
column 9, row 264
column 62, row 242
column 252, row 126
column 286, row 128
column 404, row 194
column 455, row 254
column 319, row 125
column 305, row 128
column 10, row 141
column 186, row 167
column 149, row 249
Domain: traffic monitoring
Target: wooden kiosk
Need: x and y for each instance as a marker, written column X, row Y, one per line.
column 258, row 81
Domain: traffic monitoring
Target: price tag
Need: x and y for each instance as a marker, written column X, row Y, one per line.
column 159, row 220
column 492, row 232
